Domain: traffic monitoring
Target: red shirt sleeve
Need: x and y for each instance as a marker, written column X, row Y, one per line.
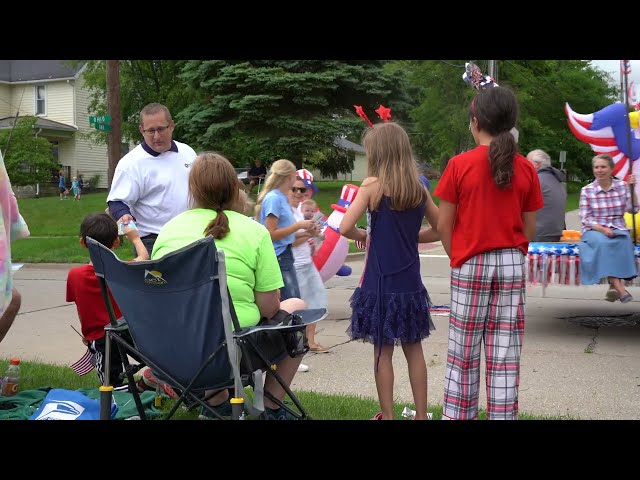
column 447, row 188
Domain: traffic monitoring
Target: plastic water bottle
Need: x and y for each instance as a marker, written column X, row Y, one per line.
column 11, row 379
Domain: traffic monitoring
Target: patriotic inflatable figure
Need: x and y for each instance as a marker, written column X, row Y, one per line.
column 606, row 131
column 333, row 252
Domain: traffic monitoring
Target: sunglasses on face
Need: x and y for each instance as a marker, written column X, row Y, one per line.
column 299, row 189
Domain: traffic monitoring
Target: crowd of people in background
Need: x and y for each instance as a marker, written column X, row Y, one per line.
column 167, row 196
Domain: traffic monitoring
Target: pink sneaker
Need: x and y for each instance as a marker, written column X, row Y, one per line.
column 377, row 416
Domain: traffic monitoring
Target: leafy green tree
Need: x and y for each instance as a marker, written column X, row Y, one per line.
column 440, row 99
column 243, row 149
column 331, row 161
column 290, row 108
column 441, row 114
column 543, row 87
column 28, row 158
column 141, row 82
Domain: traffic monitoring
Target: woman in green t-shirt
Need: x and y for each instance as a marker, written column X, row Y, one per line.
column 253, row 273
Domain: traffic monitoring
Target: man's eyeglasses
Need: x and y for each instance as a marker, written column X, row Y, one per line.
column 299, row 189
column 153, row 131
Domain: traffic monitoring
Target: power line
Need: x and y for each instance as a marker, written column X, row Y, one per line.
column 451, row 64
column 11, row 104
column 517, row 68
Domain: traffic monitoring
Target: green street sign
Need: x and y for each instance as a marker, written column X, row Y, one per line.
column 93, row 119
column 102, row 127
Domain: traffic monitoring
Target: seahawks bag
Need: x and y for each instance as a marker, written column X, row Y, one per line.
column 61, row 404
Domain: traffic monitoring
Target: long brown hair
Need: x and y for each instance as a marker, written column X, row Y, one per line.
column 390, row 159
column 496, row 111
column 213, row 184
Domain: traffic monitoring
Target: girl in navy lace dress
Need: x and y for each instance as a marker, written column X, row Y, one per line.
column 391, row 305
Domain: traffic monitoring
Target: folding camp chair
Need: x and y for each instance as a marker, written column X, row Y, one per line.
column 180, row 316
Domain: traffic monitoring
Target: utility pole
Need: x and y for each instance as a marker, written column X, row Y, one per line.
column 492, row 69
column 622, row 70
column 624, row 75
column 114, row 137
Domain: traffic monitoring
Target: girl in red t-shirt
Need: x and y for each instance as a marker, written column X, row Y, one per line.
column 488, row 202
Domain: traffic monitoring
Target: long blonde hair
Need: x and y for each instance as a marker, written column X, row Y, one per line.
column 279, row 173
column 390, row 159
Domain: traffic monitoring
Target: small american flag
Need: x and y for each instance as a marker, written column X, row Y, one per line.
column 625, row 66
column 85, row 364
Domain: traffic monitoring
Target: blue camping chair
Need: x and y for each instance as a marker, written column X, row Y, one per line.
column 179, row 314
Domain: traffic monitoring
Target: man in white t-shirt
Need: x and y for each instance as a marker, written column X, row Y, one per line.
column 151, row 183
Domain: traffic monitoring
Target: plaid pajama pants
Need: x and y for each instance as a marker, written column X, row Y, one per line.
column 487, row 303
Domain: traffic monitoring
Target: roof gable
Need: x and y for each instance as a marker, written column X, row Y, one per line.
column 348, row 145
column 30, row 70
column 44, row 123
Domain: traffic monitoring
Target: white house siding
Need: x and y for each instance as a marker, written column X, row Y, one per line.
column 358, row 174
column 91, row 158
column 5, row 100
column 24, row 98
column 67, row 154
column 59, row 103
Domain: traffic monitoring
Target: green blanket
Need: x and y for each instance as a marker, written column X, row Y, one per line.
column 22, row 405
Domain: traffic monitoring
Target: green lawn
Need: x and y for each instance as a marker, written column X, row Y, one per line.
column 55, row 229
column 319, row 406
column 59, row 222
column 55, row 224
column 50, row 216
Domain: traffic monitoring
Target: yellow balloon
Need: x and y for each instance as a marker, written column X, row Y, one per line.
column 629, row 222
column 633, row 118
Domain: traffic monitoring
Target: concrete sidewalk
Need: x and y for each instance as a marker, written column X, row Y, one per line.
column 567, row 369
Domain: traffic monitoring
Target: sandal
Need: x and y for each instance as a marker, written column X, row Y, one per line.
column 377, row 416
column 318, row 349
column 626, row 298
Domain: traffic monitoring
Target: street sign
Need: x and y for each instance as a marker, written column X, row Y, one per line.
column 102, row 127
column 563, row 158
column 99, row 119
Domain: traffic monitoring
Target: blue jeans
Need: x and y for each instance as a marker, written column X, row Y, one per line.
column 290, row 289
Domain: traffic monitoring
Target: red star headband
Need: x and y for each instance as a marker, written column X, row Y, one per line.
column 383, row 112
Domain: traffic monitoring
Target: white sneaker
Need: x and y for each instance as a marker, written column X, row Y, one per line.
column 303, row 368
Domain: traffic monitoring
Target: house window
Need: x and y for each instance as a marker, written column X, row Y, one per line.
column 40, row 100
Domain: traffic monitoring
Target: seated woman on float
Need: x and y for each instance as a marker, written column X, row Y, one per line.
column 606, row 249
